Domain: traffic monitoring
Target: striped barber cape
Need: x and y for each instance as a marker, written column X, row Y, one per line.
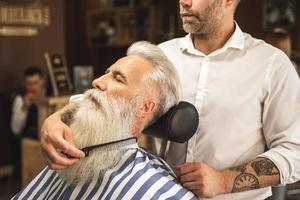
column 139, row 175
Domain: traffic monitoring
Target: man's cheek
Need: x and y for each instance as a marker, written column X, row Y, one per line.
column 126, row 95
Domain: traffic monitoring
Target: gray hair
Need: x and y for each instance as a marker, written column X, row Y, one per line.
column 164, row 75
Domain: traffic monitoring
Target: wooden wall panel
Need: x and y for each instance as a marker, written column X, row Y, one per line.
column 16, row 53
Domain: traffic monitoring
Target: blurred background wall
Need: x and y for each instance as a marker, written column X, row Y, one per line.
column 67, row 33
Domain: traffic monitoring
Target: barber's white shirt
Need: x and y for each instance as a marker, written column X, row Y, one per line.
column 247, row 94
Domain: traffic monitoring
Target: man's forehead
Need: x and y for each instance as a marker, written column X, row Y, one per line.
column 33, row 77
column 132, row 64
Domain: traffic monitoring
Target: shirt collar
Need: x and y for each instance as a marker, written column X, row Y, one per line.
column 236, row 41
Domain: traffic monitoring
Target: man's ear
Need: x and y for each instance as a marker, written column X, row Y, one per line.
column 144, row 113
column 230, row 2
column 147, row 108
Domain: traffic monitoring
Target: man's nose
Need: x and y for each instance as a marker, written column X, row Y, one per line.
column 99, row 84
column 185, row 3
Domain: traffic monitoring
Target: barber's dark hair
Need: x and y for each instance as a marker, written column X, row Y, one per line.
column 33, row 70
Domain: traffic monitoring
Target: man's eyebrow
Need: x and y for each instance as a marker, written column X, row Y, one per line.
column 117, row 72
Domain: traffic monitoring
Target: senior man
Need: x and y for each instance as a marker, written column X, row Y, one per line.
column 134, row 92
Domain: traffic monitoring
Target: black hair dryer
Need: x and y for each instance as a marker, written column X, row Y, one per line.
column 179, row 124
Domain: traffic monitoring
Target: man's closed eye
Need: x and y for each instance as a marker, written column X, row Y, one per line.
column 119, row 78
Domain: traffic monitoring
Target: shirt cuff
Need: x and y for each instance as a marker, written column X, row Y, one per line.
column 76, row 98
column 283, row 165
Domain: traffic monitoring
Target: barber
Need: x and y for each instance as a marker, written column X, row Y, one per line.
column 247, row 95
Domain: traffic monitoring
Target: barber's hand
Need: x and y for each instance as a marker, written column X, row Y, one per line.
column 201, row 179
column 56, row 137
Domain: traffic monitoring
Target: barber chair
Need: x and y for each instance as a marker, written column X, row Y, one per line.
column 179, row 124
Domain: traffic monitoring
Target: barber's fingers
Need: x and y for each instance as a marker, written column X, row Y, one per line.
column 68, row 135
column 187, row 168
column 54, row 166
column 189, row 177
column 61, row 144
column 195, row 185
column 60, row 137
column 55, row 159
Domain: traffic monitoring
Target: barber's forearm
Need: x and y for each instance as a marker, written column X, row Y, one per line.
column 258, row 173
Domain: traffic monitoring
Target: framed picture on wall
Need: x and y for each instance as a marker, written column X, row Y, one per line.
column 111, row 27
column 59, row 74
column 280, row 13
column 83, row 77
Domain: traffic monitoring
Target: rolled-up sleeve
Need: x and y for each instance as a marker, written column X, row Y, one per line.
column 281, row 118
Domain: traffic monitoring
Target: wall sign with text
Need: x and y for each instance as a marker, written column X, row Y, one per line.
column 23, row 19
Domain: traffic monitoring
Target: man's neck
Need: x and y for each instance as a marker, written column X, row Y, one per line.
column 209, row 43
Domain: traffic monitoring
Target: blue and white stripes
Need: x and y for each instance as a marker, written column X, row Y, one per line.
column 140, row 175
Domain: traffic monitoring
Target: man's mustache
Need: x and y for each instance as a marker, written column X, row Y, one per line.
column 95, row 96
column 185, row 12
column 102, row 101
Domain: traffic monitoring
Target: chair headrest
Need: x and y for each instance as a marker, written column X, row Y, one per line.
column 179, row 124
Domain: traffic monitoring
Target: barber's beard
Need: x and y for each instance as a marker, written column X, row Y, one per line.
column 94, row 123
column 206, row 24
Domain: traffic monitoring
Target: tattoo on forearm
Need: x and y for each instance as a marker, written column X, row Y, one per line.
column 249, row 174
column 264, row 168
column 244, row 182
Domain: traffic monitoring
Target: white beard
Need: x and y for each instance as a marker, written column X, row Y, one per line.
column 97, row 124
